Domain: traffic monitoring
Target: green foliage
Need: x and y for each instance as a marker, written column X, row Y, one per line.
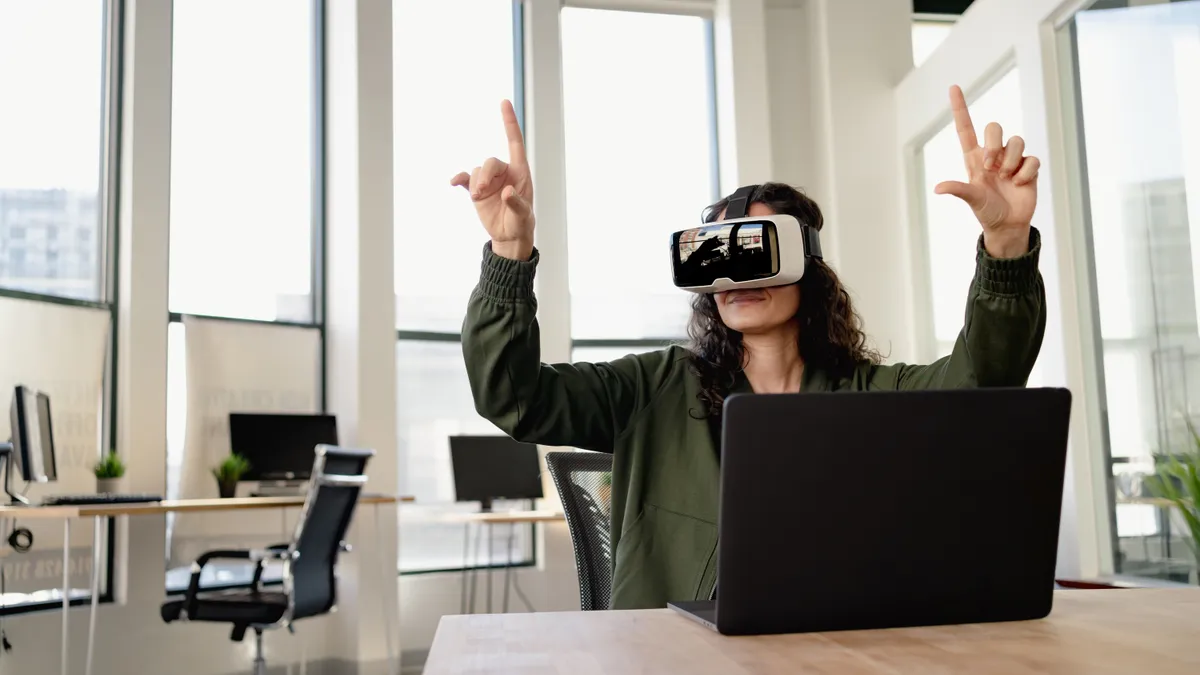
column 1178, row 480
column 606, row 478
column 231, row 469
column 110, row 466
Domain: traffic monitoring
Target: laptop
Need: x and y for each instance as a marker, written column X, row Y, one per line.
column 850, row 511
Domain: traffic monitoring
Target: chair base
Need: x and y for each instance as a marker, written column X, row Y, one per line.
column 260, row 664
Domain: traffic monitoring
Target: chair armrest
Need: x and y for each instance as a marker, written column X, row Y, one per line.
column 189, row 599
column 262, row 555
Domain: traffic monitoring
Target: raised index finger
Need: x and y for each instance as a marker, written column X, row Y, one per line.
column 962, row 120
column 516, row 143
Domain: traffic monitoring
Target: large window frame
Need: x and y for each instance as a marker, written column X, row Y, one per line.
column 443, row 337
column 660, row 342
column 108, row 193
column 318, row 258
column 1161, row 567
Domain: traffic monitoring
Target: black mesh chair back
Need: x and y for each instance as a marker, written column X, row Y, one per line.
column 337, row 478
column 584, row 483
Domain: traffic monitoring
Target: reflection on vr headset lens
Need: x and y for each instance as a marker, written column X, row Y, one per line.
column 739, row 252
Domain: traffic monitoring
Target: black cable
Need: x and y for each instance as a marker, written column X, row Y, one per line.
column 20, row 539
column 4, row 643
column 521, row 594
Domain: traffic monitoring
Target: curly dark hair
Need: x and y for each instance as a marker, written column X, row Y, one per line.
column 831, row 334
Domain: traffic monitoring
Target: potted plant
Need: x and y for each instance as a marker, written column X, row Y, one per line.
column 229, row 472
column 109, row 471
column 606, row 489
column 1177, row 480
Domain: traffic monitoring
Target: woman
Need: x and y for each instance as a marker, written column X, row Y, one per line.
column 658, row 413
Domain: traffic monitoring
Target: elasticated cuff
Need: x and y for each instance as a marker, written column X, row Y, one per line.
column 504, row 279
column 1009, row 276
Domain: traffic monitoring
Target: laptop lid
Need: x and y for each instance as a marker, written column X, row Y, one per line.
column 886, row 509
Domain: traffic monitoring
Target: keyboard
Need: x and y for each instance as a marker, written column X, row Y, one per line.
column 101, row 498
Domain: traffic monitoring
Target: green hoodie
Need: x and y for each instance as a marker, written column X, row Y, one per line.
column 665, row 468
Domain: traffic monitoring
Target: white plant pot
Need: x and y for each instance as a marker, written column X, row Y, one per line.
column 108, row 485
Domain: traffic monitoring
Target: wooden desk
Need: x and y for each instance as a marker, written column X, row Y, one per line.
column 1112, row 632
column 504, row 517
column 173, row 506
column 98, row 512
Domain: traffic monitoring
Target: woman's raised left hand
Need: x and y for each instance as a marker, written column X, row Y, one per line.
column 1002, row 187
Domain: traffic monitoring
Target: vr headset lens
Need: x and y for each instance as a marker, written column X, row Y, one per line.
column 744, row 251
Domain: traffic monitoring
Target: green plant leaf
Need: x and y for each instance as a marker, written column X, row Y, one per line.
column 109, row 466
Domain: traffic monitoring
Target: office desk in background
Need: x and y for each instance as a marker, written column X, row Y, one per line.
column 98, row 512
column 489, row 520
column 1118, row 632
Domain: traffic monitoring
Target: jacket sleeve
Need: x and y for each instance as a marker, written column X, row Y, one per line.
column 1002, row 331
column 583, row 405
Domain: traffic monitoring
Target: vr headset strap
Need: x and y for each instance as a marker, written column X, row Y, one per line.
column 739, row 202
column 812, row 241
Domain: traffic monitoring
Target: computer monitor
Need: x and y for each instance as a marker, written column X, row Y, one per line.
column 280, row 446
column 33, row 435
column 494, row 467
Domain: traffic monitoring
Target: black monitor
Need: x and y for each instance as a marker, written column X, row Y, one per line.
column 32, row 435
column 494, row 467
column 280, row 446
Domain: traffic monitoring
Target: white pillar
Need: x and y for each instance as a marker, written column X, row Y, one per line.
column 141, row 324
column 743, row 96
column 861, row 51
column 360, row 321
column 545, row 139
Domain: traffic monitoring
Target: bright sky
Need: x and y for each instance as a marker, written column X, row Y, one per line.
column 448, row 86
column 50, row 84
column 639, row 165
column 241, row 156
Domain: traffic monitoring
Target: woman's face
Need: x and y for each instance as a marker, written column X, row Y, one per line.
column 759, row 310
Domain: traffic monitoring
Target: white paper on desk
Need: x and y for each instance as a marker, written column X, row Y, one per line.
column 60, row 350
column 234, row 367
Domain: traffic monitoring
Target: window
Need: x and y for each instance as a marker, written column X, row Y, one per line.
column 641, row 164
column 438, row 237
column 242, row 130
column 434, row 403
column 951, row 231
column 52, row 141
column 245, row 235
column 596, row 354
column 55, row 152
column 1138, row 70
column 438, row 250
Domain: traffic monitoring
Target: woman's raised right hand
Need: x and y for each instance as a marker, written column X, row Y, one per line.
column 503, row 194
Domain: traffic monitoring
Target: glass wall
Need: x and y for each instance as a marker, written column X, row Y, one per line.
column 56, row 309
column 242, row 159
column 244, row 229
column 439, row 243
column 1138, row 101
column 641, row 164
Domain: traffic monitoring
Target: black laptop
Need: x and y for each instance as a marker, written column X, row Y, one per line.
column 853, row 511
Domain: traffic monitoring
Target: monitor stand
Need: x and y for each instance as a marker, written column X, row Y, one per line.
column 6, row 451
column 485, row 505
column 281, row 489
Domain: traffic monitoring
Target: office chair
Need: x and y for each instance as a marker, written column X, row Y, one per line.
column 583, row 480
column 309, row 560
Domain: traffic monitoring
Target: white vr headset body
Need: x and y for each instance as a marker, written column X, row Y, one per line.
column 743, row 252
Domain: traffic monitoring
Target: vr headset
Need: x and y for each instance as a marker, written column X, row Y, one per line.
column 743, row 252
